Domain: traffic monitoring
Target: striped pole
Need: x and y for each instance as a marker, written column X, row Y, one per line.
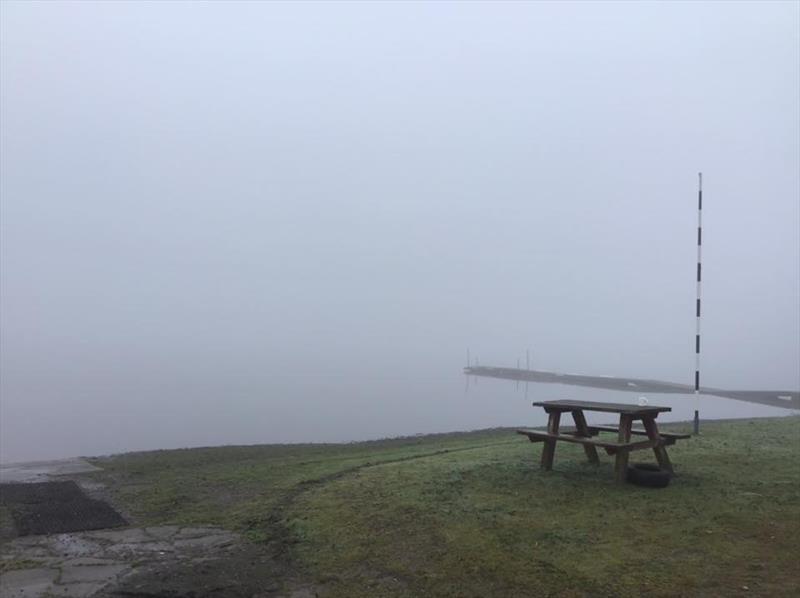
column 697, row 315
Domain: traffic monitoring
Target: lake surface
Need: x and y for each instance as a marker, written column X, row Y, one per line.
column 97, row 417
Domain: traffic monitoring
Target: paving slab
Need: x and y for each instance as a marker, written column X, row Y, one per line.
column 217, row 541
column 82, row 564
column 83, row 561
column 195, row 532
column 31, row 541
column 91, row 573
column 14, row 562
column 162, row 532
column 131, row 535
column 27, row 582
column 72, row 545
column 140, row 549
column 29, row 552
column 77, row 590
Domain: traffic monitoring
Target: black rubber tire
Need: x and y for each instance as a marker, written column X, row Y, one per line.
column 648, row 475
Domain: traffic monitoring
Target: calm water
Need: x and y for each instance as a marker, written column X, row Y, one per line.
column 94, row 418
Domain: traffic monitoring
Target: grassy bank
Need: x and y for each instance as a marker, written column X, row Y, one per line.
column 472, row 515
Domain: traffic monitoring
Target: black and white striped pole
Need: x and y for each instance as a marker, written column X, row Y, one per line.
column 697, row 329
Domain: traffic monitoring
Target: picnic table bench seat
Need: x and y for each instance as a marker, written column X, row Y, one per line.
column 540, row 436
column 640, row 432
column 669, row 437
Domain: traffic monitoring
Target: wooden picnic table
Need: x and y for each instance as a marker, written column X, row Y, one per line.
column 584, row 434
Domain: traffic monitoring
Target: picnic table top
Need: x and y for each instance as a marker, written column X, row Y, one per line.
column 626, row 408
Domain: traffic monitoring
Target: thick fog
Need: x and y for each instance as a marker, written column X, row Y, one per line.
column 264, row 222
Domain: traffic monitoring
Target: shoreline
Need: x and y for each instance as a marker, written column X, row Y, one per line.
column 400, row 439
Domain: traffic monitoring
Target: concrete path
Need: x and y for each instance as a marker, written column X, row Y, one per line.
column 167, row 560
column 83, row 564
column 89, row 563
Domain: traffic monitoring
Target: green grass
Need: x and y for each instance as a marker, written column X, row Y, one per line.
column 472, row 514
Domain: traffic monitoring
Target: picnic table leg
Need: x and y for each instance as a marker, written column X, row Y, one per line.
column 658, row 445
column 583, row 430
column 621, row 463
column 549, row 449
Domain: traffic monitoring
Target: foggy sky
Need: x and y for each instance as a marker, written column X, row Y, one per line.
column 199, row 199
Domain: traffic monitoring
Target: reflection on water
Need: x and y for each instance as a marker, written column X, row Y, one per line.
column 95, row 418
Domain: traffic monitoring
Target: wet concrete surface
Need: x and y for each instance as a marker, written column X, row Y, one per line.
column 85, row 564
column 167, row 560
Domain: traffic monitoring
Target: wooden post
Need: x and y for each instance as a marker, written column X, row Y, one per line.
column 549, row 449
column 658, row 444
column 583, row 430
column 621, row 464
